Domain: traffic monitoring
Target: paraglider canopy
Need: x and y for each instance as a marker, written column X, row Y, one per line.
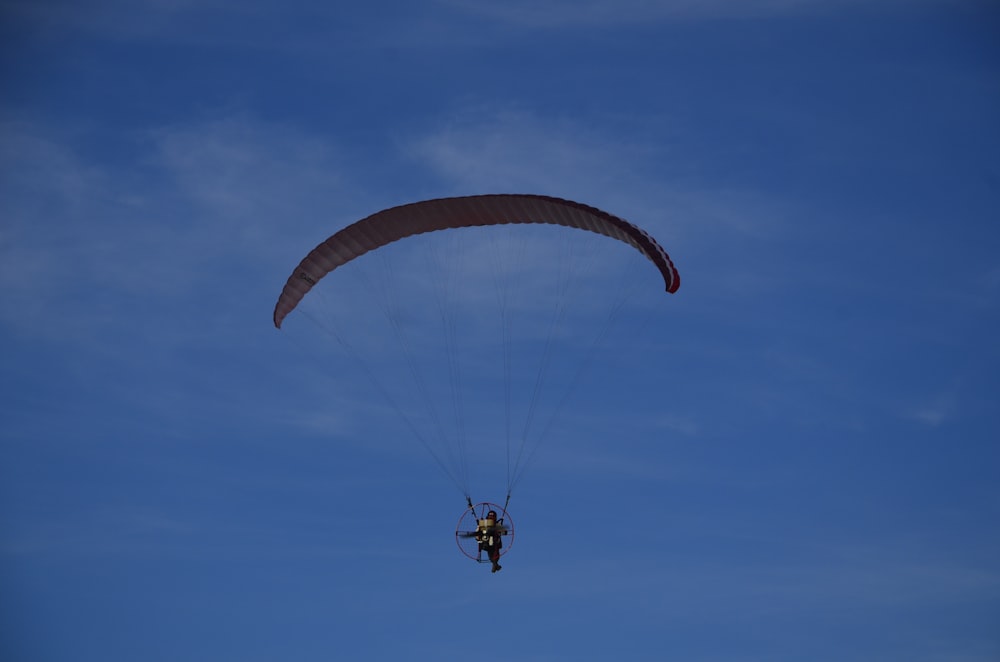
column 396, row 223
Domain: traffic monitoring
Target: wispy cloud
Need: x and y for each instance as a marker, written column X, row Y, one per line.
column 194, row 202
column 933, row 412
column 515, row 150
column 247, row 173
column 56, row 235
column 570, row 14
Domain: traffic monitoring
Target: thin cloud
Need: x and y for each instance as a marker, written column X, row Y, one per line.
column 572, row 14
column 195, row 202
column 682, row 425
column 247, row 173
column 517, row 151
column 934, row 412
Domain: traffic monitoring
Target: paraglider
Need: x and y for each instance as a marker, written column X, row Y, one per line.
column 485, row 530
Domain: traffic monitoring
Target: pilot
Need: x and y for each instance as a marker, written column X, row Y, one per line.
column 488, row 535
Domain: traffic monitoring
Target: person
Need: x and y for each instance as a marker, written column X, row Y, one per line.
column 488, row 535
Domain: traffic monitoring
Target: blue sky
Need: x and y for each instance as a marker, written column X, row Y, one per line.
column 794, row 457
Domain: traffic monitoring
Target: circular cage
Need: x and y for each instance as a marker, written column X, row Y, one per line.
column 473, row 521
